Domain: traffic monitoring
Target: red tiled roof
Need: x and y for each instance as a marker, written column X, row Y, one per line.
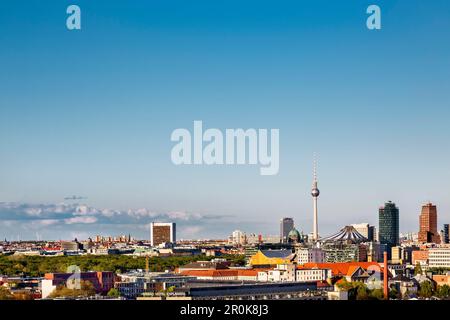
column 210, row 273
column 222, row 273
column 342, row 268
column 352, row 269
column 248, row 273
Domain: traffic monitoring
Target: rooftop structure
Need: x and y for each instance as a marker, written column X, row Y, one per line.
column 346, row 234
column 272, row 257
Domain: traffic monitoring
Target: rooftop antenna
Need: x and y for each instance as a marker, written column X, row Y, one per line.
column 315, row 166
column 315, row 193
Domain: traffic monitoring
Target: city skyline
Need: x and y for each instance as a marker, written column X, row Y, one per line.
column 90, row 113
column 42, row 218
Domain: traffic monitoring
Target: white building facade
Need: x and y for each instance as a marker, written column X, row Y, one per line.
column 439, row 258
column 310, row 255
column 290, row 273
column 238, row 237
column 312, row 275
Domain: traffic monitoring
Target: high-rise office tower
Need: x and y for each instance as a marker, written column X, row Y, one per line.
column 286, row 225
column 446, row 239
column 428, row 232
column 372, row 233
column 162, row 233
column 315, row 194
column 388, row 225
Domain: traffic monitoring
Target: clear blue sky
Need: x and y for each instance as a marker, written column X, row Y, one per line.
column 90, row 112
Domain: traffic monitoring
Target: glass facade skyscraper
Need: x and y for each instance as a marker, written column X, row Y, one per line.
column 388, row 228
column 445, row 240
column 286, row 225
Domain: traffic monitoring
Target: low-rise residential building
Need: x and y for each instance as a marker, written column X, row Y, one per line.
column 312, row 275
column 134, row 284
column 442, row 279
column 406, row 286
column 21, row 287
column 351, row 271
column 292, row 273
column 282, row 273
column 421, row 278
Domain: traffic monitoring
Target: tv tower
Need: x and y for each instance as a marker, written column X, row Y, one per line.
column 315, row 194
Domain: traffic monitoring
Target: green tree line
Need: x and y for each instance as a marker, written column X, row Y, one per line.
column 36, row 266
column 359, row 291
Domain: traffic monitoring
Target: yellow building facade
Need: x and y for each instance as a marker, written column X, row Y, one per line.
column 269, row 257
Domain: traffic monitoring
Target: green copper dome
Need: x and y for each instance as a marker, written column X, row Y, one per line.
column 294, row 235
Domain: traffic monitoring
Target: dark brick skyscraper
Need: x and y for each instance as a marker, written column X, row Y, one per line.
column 428, row 224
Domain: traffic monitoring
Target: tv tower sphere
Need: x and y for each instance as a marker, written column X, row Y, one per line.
column 315, row 192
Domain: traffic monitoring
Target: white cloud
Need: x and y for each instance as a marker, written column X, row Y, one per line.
column 82, row 210
column 48, row 222
column 58, row 220
column 35, row 212
column 84, row 219
column 181, row 215
column 64, row 212
column 192, row 231
column 143, row 212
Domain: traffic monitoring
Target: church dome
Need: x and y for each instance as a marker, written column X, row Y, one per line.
column 294, row 235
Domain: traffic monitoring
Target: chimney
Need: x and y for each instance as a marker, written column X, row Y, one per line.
column 385, row 277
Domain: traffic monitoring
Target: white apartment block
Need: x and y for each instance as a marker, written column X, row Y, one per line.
column 439, row 257
column 282, row 273
column 238, row 238
column 307, row 255
column 312, row 275
column 289, row 273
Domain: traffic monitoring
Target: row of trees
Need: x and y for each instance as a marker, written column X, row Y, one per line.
column 36, row 266
column 428, row 290
column 359, row 291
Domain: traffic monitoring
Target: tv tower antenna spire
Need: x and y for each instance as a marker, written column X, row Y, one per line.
column 315, row 194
